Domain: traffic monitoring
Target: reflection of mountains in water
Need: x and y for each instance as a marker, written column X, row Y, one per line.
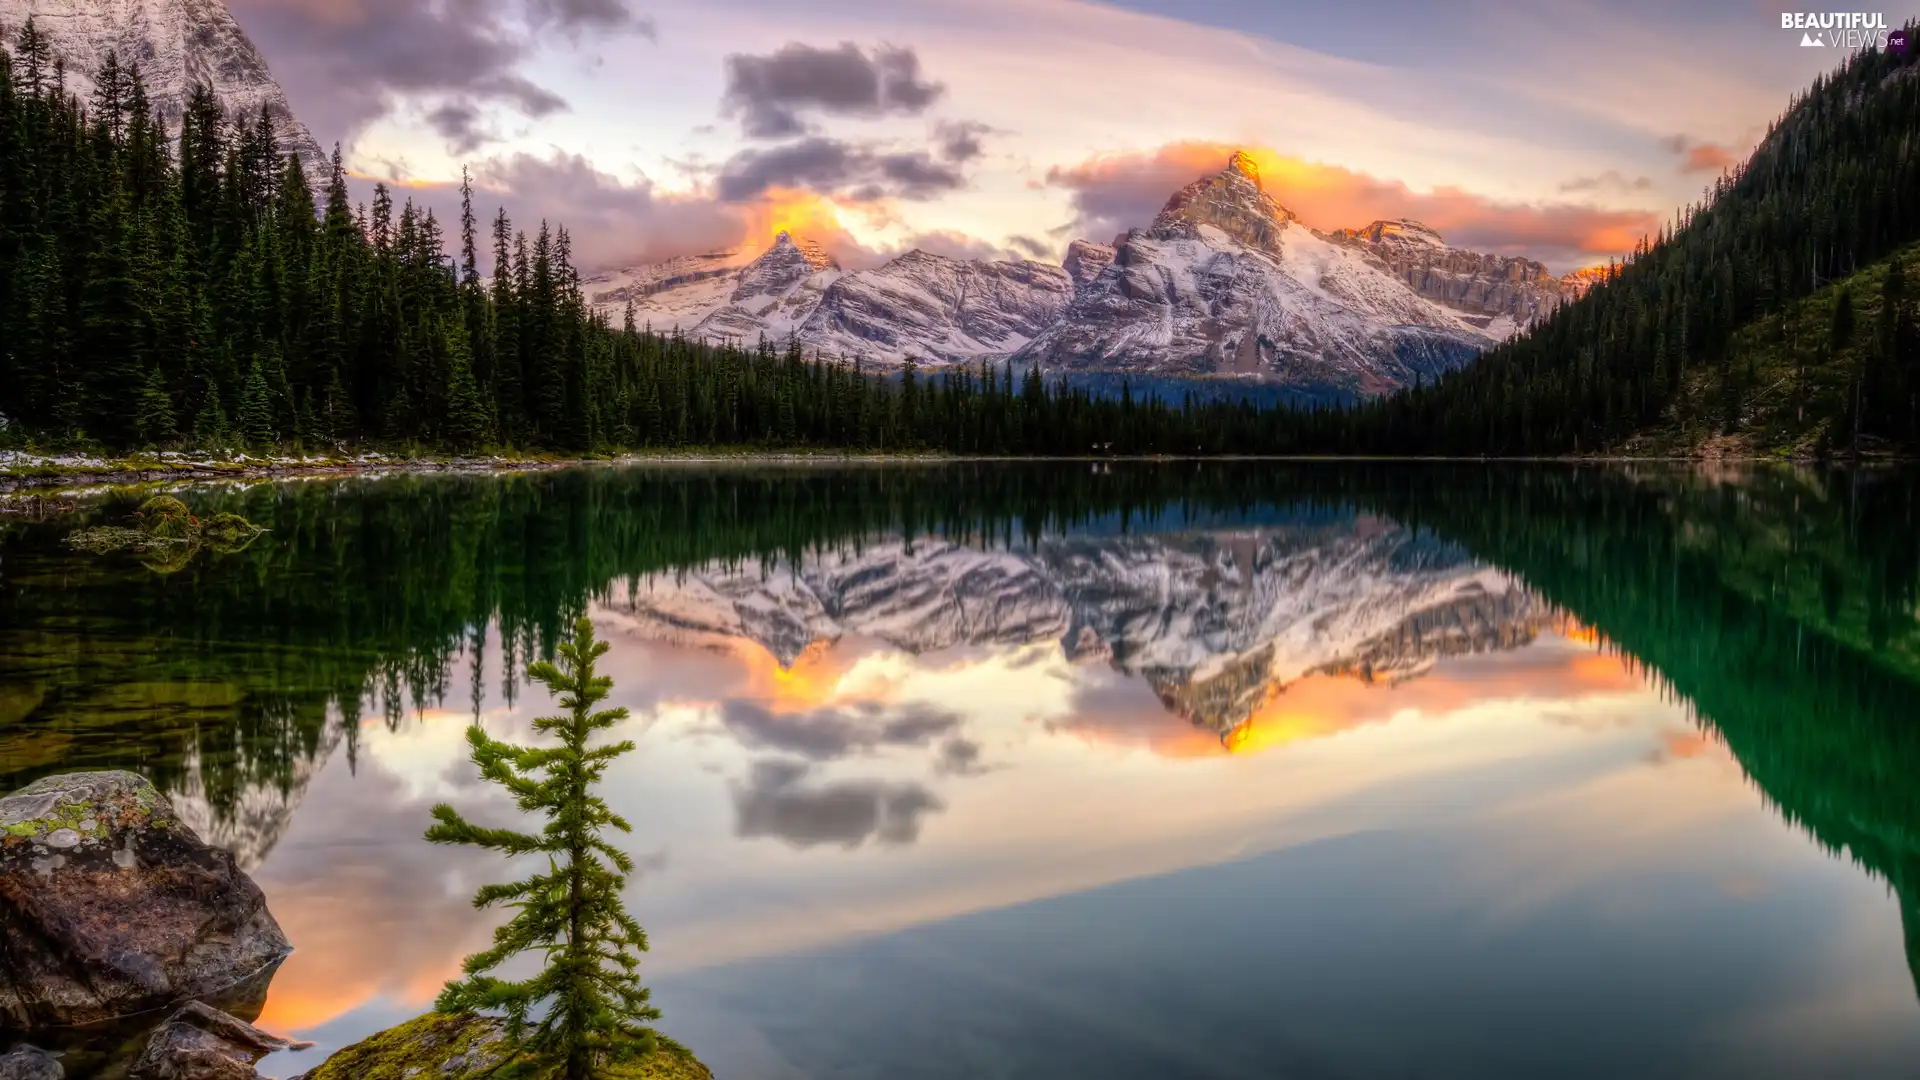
column 252, row 818
column 1217, row 622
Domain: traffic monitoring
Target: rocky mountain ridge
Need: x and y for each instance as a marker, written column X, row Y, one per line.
column 1226, row 284
column 1499, row 294
column 919, row 305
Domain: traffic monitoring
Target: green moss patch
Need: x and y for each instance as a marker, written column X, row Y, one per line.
column 439, row 1046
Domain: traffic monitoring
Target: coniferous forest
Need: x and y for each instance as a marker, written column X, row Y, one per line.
column 195, row 292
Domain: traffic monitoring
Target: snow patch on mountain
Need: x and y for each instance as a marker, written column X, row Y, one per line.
column 919, row 305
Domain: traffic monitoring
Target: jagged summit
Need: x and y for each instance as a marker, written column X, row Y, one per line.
column 815, row 255
column 781, row 268
column 1232, row 201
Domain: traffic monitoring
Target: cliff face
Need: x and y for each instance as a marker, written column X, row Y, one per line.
column 1501, row 294
column 178, row 44
column 1085, row 259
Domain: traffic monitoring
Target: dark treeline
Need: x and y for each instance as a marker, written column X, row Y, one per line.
column 1834, row 186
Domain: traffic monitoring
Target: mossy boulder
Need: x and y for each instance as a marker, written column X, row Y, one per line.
column 110, row 906
column 166, row 535
column 168, row 518
column 439, row 1046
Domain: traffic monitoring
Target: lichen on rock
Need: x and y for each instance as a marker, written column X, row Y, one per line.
column 81, row 802
column 443, row 1046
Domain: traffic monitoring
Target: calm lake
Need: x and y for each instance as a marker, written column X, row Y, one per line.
column 1083, row 771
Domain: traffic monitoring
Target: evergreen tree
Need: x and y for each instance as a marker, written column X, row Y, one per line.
column 336, row 419
column 595, row 1010
column 468, row 424
column 210, row 423
column 256, row 409
column 155, row 422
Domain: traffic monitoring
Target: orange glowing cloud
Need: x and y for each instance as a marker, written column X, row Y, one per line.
column 1117, row 191
column 1707, row 158
column 791, row 210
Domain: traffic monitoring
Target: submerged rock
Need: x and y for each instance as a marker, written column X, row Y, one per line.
column 203, row 1043
column 109, row 905
column 439, row 1046
column 30, row 1063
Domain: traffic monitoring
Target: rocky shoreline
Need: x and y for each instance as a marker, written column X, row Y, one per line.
column 119, row 925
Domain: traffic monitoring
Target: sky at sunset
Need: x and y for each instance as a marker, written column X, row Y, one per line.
column 1006, row 128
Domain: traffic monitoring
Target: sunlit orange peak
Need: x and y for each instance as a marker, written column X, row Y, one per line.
column 1242, row 163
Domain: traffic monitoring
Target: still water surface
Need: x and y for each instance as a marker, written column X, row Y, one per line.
column 1071, row 771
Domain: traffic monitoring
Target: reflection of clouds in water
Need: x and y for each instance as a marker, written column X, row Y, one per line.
column 775, row 803
column 829, row 733
column 959, row 757
column 422, row 753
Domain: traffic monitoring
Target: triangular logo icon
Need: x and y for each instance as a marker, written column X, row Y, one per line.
column 1808, row 41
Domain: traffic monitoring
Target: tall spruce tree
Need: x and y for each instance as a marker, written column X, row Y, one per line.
column 256, row 408
column 596, row 1013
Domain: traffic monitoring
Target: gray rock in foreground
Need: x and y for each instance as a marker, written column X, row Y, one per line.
column 203, row 1043
column 30, row 1063
column 109, row 905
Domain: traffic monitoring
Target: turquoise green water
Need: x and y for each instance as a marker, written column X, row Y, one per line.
column 1071, row 770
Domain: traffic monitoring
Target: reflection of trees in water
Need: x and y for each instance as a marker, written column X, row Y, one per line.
column 1782, row 608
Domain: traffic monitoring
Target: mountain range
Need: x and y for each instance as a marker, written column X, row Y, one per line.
column 1224, row 284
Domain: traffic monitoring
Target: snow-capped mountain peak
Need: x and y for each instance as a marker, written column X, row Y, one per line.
column 1233, row 201
column 790, row 261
